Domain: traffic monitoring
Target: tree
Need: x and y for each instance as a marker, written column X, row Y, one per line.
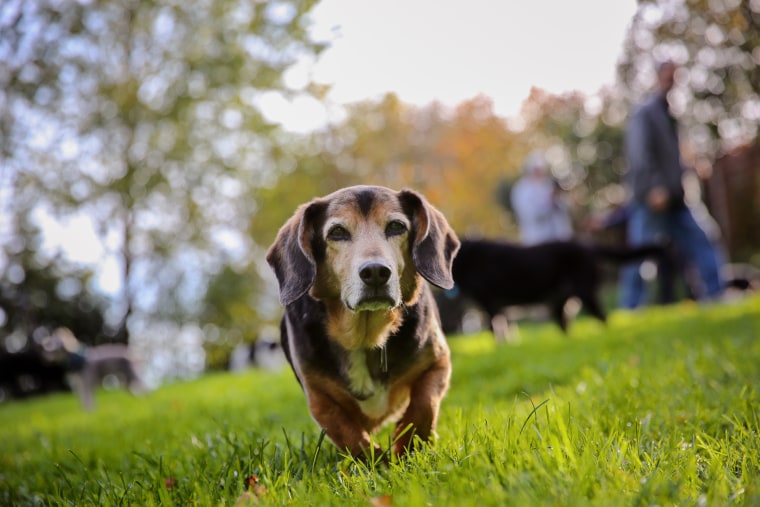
column 583, row 138
column 717, row 41
column 145, row 116
column 719, row 105
column 231, row 313
column 34, row 297
column 456, row 158
column 475, row 151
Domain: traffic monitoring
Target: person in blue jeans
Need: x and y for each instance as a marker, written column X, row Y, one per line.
column 658, row 211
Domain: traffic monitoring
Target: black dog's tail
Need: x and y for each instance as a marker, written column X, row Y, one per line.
column 626, row 254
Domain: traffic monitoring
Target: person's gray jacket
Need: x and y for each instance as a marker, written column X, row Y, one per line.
column 652, row 151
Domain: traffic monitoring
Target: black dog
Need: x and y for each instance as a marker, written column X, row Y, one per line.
column 29, row 373
column 498, row 274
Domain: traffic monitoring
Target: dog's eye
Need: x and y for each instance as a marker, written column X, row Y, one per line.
column 338, row 233
column 395, row 228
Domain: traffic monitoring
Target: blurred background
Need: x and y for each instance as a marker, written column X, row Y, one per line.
column 150, row 150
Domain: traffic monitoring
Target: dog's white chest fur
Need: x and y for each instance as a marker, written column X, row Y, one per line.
column 375, row 402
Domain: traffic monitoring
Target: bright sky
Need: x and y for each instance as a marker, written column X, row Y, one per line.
column 451, row 51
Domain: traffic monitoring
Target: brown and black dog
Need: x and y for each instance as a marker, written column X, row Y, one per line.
column 360, row 328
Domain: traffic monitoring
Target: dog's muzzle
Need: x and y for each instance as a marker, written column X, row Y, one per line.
column 376, row 293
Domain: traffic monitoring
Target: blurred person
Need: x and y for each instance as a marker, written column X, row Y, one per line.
column 540, row 212
column 658, row 209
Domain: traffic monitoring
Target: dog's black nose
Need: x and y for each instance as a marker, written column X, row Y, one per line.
column 374, row 274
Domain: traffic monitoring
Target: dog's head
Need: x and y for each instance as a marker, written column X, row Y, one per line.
column 365, row 246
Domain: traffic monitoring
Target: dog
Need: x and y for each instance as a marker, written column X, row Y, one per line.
column 360, row 328
column 88, row 366
column 498, row 274
column 28, row 373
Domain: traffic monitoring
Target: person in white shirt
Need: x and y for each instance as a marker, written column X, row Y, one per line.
column 541, row 215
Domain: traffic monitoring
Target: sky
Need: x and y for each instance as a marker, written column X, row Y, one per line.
column 451, row 51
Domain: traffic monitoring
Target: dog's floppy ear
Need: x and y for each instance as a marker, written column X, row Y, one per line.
column 435, row 244
column 291, row 256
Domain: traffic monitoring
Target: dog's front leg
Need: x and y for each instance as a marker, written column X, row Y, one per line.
column 89, row 383
column 342, row 427
column 421, row 416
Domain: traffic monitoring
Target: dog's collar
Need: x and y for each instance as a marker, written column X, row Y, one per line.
column 384, row 359
column 75, row 360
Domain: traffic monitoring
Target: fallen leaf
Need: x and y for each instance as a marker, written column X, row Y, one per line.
column 253, row 486
column 381, row 501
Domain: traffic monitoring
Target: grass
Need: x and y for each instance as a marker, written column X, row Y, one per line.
column 659, row 407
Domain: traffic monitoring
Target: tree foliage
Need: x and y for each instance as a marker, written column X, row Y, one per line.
column 717, row 101
column 146, row 117
column 455, row 157
column 43, row 297
column 583, row 139
column 717, row 42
